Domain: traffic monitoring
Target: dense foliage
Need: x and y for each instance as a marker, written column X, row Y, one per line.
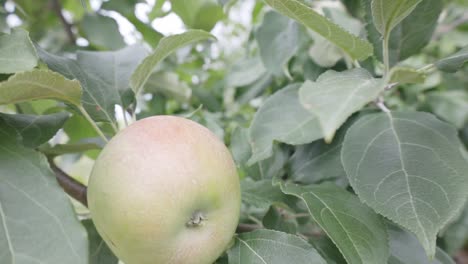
column 348, row 120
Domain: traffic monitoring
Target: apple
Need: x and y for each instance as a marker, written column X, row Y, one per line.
column 165, row 190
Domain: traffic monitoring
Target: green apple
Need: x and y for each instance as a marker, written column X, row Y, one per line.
column 165, row 190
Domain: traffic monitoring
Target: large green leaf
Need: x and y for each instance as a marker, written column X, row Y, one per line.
column 281, row 118
column 335, row 96
column 35, row 130
column 198, row 14
column 245, row 72
column 388, row 14
column 39, row 84
column 356, row 47
column 411, row 35
column 408, row 167
column 261, row 193
column 102, row 31
column 359, row 233
column 406, row 249
column 99, row 252
column 37, row 221
column 453, row 62
column 278, row 41
column 451, row 106
column 165, row 47
column 17, row 52
column 272, row 247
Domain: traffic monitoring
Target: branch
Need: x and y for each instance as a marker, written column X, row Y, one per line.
column 57, row 8
column 71, row 186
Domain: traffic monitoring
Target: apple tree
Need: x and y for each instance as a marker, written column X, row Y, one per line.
column 233, row 132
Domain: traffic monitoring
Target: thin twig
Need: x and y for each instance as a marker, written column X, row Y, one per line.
column 57, row 7
column 381, row 105
column 72, row 187
column 93, row 124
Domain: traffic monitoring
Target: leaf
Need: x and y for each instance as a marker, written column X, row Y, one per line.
column 358, row 232
column 39, row 84
column 388, row 14
column 114, row 77
column 17, row 52
column 406, row 249
column 261, row 194
column 169, row 84
column 198, row 14
column 411, row 35
column 290, row 124
column 454, row 62
column 451, row 106
column 99, row 252
column 35, row 130
column 272, row 247
column 245, row 72
column 37, row 222
column 60, row 149
column 102, row 31
column 404, row 75
column 456, row 234
column 278, row 41
column 356, row 47
column 276, row 218
column 408, row 167
column 335, row 96
column 165, row 47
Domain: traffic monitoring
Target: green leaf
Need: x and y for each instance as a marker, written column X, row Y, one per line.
column 198, row 14
column 261, row 194
column 454, row 62
column 388, row 14
column 102, row 31
column 356, row 47
column 278, row 41
column 335, row 96
column 61, row 149
column 277, row 218
column 165, row 47
column 408, row 167
column 39, row 84
column 245, row 72
column 359, row 233
column 404, row 75
column 169, row 84
column 411, row 35
column 456, row 235
column 272, row 247
column 35, row 130
column 37, row 222
column 17, row 52
column 99, row 252
column 451, row 106
column 406, row 249
column 290, row 123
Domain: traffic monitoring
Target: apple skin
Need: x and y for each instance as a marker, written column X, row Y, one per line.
column 165, row 190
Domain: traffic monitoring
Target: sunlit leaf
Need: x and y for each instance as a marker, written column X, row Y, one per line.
column 17, row 52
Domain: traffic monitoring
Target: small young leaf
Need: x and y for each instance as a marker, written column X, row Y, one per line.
column 39, row 84
column 358, row 232
column 408, row 167
column 404, row 75
column 281, row 118
column 335, row 96
column 388, row 14
column 169, row 84
column 102, row 31
column 37, row 222
column 17, row 52
column 35, row 130
column 272, row 247
column 165, row 47
column 356, row 47
column 406, row 249
column 454, row 62
column 278, row 41
column 198, row 14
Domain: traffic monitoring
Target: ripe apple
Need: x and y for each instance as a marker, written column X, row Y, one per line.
column 165, row 190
